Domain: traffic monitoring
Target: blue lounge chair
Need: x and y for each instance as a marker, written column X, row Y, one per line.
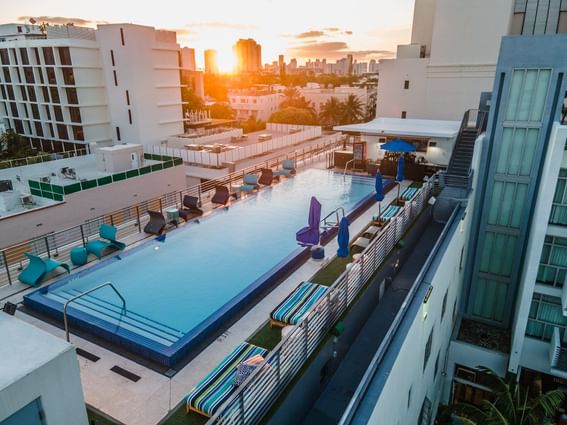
column 390, row 212
column 288, row 168
column 250, row 183
column 409, row 193
column 108, row 232
column 38, row 268
column 215, row 388
column 292, row 309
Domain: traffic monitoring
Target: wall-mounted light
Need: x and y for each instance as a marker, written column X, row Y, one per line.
column 428, row 294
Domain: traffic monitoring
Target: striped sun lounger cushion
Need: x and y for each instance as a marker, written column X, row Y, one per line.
column 390, row 212
column 215, row 388
column 296, row 304
column 409, row 193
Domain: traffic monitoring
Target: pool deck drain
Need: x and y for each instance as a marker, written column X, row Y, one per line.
column 149, row 400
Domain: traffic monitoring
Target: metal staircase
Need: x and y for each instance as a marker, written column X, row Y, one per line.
column 459, row 172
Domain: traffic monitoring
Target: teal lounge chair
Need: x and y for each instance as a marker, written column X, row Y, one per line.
column 288, row 168
column 38, row 268
column 250, row 183
column 98, row 246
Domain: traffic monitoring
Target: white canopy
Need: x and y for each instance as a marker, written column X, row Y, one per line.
column 405, row 127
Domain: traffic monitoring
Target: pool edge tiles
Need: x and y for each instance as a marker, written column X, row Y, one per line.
column 194, row 340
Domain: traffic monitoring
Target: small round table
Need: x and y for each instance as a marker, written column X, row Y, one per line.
column 79, row 256
column 172, row 215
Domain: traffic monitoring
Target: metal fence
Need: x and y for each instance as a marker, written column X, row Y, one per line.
column 130, row 220
column 204, row 157
column 20, row 162
column 258, row 393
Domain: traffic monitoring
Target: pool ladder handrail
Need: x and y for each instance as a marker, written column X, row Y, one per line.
column 86, row 293
column 338, row 213
column 346, row 166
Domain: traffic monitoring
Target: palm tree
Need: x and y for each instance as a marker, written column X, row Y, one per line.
column 331, row 112
column 353, row 110
column 293, row 99
column 512, row 404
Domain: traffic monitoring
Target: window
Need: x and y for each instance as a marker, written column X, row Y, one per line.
column 428, row 349
column 62, row 130
column 58, row 113
column 404, row 115
column 35, row 111
column 444, row 305
column 65, row 56
column 48, row 57
column 115, row 78
column 14, row 109
column 36, row 54
column 7, row 76
column 78, row 133
column 437, row 365
column 546, row 313
column 28, row 74
column 10, row 90
column 409, row 397
column 129, row 116
column 75, row 114
column 51, row 75
column 31, row 94
column 118, row 133
column 68, row 76
column 23, row 93
column 127, row 98
column 559, row 206
column 47, row 112
column 553, row 263
column 425, row 413
column 24, row 56
column 45, row 92
column 54, row 95
column 72, row 98
column 112, row 58
column 4, row 58
column 122, row 36
column 51, row 131
column 406, row 84
column 38, row 129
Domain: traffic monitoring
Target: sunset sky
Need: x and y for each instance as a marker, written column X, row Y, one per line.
column 297, row 28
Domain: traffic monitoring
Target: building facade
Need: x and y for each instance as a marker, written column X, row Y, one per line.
column 211, row 66
column 319, row 96
column 248, row 56
column 257, row 104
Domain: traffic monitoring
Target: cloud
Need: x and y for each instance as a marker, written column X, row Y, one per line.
column 336, row 50
column 325, row 32
column 332, row 29
column 220, row 24
column 348, row 32
column 310, row 34
column 60, row 20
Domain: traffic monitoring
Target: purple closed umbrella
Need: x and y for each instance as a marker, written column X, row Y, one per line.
column 310, row 235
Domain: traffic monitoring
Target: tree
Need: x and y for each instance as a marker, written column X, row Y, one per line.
column 221, row 111
column 13, row 146
column 252, row 124
column 512, row 404
column 352, row 110
column 194, row 102
column 331, row 113
column 371, row 107
column 291, row 115
column 293, row 99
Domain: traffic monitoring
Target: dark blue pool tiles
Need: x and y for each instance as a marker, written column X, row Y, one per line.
column 169, row 356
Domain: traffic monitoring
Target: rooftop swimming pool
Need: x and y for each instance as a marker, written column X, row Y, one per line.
column 181, row 291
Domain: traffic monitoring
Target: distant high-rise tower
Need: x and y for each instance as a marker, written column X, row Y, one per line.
column 248, row 55
column 211, row 66
column 281, row 64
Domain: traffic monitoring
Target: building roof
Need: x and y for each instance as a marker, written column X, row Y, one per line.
column 25, row 348
column 405, row 127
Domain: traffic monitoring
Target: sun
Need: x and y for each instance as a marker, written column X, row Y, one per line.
column 225, row 59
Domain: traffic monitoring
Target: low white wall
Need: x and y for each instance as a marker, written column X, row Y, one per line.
column 180, row 142
column 57, row 383
column 87, row 204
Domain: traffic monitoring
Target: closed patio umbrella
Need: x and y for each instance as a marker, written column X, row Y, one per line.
column 310, row 235
column 401, row 164
column 379, row 187
column 343, row 238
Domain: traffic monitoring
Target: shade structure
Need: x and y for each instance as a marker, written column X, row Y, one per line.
column 343, row 238
column 401, row 166
column 398, row 145
column 309, row 235
column 379, row 187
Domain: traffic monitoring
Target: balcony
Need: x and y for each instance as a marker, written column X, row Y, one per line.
column 558, row 355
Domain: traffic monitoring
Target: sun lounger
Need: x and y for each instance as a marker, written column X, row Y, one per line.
column 107, row 240
column 156, row 224
column 361, row 242
column 190, row 208
column 267, row 177
column 372, row 231
column 221, row 195
column 215, row 388
column 250, row 183
column 288, row 168
column 390, row 212
column 292, row 309
column 38, row 268
column 409, row 193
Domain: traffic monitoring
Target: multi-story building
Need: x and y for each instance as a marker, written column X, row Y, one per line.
column 72, row 85
column 188, row 59
column 248, row 55
column 258, row 104
column 211, row 66
column 319, row 96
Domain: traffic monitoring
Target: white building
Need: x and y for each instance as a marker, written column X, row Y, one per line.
column 39, row 378
column 319, row 96
column 259, row 104
column 75, row 85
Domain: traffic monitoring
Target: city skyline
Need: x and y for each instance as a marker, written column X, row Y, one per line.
column 290, row 31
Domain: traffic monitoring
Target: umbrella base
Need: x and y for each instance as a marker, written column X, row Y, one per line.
column 317, row 252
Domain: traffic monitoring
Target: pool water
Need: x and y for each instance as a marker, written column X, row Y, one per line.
column 174, row 287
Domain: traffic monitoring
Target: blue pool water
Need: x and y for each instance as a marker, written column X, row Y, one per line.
column 175, row 289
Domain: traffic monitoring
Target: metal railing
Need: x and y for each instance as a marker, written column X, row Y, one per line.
column 82, row 294
column 338, row 213
column 129, row 220
column 258, row 393
column 20, row 162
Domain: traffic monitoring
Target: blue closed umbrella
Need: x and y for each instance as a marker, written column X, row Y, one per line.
column 379, row 187
column 401, row 164
column 343, row 238
column 398, row 145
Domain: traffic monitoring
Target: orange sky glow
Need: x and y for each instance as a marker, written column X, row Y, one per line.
column 369, row 29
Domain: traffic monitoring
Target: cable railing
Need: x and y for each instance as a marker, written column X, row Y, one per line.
column 259, row 392
column 130, row 220
column 38, row 159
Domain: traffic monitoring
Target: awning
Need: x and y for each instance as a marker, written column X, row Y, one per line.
column 399, row 127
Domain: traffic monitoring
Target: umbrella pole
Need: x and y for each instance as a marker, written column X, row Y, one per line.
column 398, row 192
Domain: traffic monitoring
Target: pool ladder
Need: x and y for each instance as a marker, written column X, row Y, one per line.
column 337, row 214
column 82, row 294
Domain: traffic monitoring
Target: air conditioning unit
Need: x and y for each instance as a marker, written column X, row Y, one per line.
column 27, row 200
column 45, row 179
